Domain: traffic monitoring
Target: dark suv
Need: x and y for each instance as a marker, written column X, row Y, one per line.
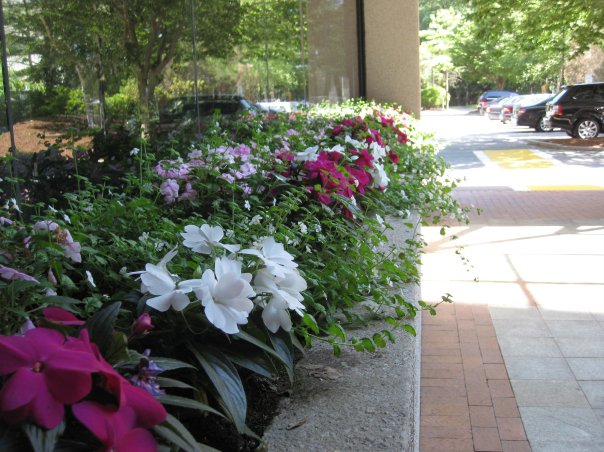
column 578, row 109
column 181, row 111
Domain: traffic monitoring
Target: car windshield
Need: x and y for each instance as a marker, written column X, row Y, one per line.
column 559, row 95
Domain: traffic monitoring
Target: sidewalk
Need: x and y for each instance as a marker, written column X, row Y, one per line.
column 517, row 361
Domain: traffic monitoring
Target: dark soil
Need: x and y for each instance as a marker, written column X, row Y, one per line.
column 263, row 397
column 595, row 143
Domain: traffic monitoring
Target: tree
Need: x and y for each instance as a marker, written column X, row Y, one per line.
column 557, row 30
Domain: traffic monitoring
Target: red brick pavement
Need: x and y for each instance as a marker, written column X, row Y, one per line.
column 467, row 403
column 519, row 207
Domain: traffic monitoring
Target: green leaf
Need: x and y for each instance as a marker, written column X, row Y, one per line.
column 187, row 403
column 337, row 350
column 100, row 326
column 176, row 433
column 58, row 300
column 310, row 322
column 226, row 381
column 284, row 349
column 43, row 440
column 165, row 382
column 368, row 344
column 258, row 343
column 10, row 440
column 409, row 329
column 254, row 360
column 335, row 329
column 379, row 340
column 170, row 364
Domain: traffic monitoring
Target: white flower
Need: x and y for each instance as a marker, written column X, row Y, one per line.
column 225, row 293
column 356, row 144
column 379, row 219
column 247, row 205
column 338, row 148
column 205, row 238
column 134, row 151
column 278, row 261
column 308, row 155
column 90, row 279
column 380, row 178
column 287, row 288
column 303, row 228
column 144, row 236
column 66, row 218
column 377, row 151
column 256, row 219
column 275, row 315
column 169, row 294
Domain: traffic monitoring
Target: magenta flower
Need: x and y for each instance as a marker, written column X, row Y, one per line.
column 62, row 316
column 11, row 274
column 147, row 410
column 46, row 375
column 142, row 325
column 116, row 428
column 189, row 193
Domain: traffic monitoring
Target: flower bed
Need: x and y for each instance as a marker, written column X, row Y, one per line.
column 156, row 300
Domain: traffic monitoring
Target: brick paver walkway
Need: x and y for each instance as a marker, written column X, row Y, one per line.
column 467, row 400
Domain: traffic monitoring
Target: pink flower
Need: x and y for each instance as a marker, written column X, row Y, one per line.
column 11, row 274
column 62, row 316
column 142, row 325
column 4, row 220
column 72, row 249
column 393, row 157
column 46, row 375
column 117, row 428
column 189, row 193
column 170, row 191
column 176, row 171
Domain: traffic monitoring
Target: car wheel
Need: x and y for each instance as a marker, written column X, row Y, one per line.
column 587, row 128
column 543, row 125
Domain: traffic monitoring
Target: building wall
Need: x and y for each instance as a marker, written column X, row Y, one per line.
column 392, row 52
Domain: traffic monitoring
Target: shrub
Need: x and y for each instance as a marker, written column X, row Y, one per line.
column 433, row 97
column 211, row 264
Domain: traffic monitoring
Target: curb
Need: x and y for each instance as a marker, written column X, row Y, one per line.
column 359, row 401
column 546, row 144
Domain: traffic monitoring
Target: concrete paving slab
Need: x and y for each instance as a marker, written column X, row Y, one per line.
column 594, row 391
column 576, row 328
column 500, row 313
column 587, row 368
column 546, row 426
column 535, row 368
column 549, row 393
column 580, row 347
column 534, row 327
column 543, row 347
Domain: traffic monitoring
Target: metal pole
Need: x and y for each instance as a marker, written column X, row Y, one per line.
column 266, row 51
column 195, row 74
column 9, row 115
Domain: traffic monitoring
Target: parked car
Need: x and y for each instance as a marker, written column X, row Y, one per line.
column 578, row 110
column 505, row 115
column 488, row 96
column 531, row 112
column 182, row 110
column 493, row 108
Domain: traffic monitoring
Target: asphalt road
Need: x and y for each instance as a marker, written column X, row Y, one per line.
column 487, row 153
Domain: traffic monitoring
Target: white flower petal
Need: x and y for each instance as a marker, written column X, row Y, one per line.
column 275, row 315
column 157, row 280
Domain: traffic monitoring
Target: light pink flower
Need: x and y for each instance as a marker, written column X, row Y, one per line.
column 170, row 191
column 11, row 274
